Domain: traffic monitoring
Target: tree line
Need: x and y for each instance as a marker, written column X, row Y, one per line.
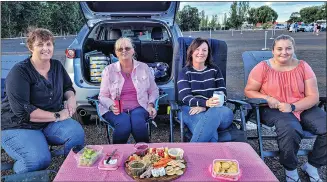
column 189, row 18
column 59, row 17
column 66, row 17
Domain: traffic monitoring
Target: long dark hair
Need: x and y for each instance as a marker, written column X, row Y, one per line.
column 194, row 45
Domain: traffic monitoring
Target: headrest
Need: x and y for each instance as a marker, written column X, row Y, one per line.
column 156, row 33
column 115, row 34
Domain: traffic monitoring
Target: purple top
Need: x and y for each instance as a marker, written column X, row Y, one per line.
column 128, row 94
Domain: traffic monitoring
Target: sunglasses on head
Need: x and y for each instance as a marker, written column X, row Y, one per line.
column 122, row 49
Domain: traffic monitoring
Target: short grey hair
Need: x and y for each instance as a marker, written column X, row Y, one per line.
column 283, row 37
column 119, row 42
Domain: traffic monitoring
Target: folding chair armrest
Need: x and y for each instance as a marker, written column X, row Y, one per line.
column 156, row 106
column 173, row 105
column 245, row 105
column 323, row 100
column 93, row 100
column 256, row 101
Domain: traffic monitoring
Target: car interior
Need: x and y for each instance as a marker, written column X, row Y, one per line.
column 152, row 44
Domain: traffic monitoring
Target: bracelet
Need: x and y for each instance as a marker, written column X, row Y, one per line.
column 267, row 97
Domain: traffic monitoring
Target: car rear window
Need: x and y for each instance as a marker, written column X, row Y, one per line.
column 143, row 35
column 134, row 34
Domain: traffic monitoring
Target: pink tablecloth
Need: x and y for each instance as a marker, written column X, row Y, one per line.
column 198, row 155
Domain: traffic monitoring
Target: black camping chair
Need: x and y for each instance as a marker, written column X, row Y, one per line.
column 250, row 59
column 219, row 54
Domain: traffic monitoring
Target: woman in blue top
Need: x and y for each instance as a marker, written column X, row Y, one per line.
column 196, row 83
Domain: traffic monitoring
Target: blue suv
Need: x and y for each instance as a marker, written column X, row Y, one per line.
column 150, row 25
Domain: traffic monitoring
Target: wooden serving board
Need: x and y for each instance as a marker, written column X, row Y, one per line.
column 160, row 178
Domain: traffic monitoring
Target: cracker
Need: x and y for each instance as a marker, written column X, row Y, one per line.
column 181, row 165
column 179, row 172
column 171, row 173
column 177, row 168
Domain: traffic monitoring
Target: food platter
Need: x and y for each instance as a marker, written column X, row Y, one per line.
column 156, row 164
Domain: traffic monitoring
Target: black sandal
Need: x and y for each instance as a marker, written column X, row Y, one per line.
column 298, row 180
column 316, row 180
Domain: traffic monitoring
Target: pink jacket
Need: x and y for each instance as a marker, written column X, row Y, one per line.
column 143, row 80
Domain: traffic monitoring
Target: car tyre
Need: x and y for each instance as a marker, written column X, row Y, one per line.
column 84, row 120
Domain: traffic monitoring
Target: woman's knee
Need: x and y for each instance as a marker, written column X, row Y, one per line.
column 74, row 131
column 314, row 120
column 28, row 147
column 290, row 130
column 139, row 112
column 220, row 112
column 122, row 123
column 33, row 160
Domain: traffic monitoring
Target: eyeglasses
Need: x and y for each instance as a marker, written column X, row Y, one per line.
column 124, row 48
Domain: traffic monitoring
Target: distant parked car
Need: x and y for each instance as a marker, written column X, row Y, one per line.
column 302, row 27
column 280, row 26
column 323, row 27
column 309, row 27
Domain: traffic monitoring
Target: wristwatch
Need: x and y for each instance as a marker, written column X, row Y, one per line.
column 293, row 107
column 57, row 116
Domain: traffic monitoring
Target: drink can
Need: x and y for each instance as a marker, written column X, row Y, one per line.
column 118, row 104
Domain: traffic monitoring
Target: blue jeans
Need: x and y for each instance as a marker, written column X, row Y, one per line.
column 29, row 148
column 205, row 125
column 126, row 123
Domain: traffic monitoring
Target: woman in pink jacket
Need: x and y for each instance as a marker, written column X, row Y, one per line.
column 130, row 83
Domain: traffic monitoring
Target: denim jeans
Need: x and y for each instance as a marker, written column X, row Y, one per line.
column 126, row 123
column 290, row 132
column 205, row 125
column 29, row 148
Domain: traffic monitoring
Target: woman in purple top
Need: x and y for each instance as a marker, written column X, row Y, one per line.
column 133, row 84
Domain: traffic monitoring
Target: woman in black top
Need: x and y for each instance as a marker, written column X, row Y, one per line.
column 318, row 29
column 33, row 113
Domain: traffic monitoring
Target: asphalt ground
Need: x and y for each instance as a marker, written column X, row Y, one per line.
column 309, row 47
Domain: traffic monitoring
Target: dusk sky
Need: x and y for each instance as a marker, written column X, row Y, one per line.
column 283, row 9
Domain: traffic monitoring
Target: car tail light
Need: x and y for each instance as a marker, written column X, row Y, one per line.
column 70, row 53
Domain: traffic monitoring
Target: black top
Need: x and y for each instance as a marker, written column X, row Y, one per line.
column 27, row 90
